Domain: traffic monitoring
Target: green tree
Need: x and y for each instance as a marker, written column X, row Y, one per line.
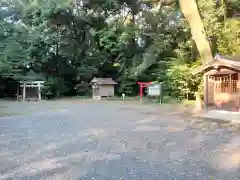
column 67, row 43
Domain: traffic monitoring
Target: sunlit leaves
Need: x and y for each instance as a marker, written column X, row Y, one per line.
column 129, row 40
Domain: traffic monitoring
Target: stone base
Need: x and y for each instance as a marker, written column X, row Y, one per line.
column 221, row 116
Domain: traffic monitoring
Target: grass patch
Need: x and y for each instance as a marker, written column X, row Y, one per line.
column 170, row 100
column 119, row 98
column 4, row 114
column 145, row 100
column 188, row 102
column 83, row 97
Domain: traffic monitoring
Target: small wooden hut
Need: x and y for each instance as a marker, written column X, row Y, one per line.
column 102, row 87
column 222, row 83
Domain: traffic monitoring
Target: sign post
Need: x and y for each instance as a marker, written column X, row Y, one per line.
column 161, row 92
column 156, row 90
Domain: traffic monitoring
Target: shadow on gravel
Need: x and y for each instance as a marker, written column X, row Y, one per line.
column 158, row 144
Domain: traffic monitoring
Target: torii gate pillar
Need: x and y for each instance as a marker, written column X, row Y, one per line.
column 142, row 85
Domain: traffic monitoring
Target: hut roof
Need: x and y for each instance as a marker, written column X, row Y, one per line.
column 230, row 62
column 101, row 81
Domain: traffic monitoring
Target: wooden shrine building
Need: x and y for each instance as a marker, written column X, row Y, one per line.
column 102, row 87
column 222, row 83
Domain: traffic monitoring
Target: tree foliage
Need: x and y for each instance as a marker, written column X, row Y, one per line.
column 67, row 43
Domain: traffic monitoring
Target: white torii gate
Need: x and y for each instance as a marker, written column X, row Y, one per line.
column 31, row 84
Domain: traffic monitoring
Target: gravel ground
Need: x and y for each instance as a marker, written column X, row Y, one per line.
column 92, row 140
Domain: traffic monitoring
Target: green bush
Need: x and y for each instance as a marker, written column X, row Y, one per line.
column 181, row 82
column 54, row 88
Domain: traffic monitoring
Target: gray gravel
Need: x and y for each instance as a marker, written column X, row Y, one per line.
column 90, row 140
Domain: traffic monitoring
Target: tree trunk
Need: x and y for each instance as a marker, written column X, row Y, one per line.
column 190, row 10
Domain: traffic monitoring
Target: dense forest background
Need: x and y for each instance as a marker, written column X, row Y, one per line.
column 66, row 43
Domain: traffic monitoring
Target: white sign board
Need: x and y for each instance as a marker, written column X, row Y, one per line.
column 154, row 90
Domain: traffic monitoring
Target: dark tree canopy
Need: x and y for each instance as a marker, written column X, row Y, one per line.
column 67, row 43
